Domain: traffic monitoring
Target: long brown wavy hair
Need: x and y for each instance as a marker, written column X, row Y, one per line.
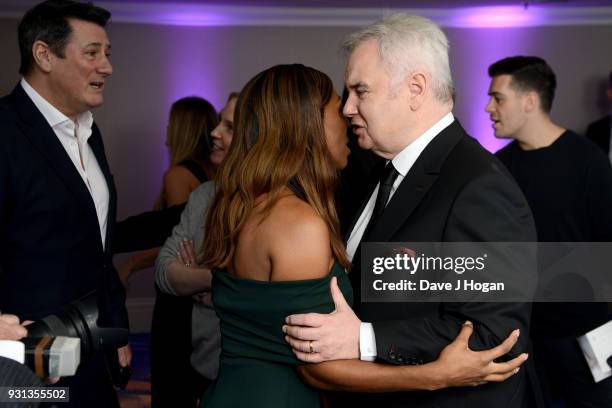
column 191, row 120
column 188, row 135
column 279, row 141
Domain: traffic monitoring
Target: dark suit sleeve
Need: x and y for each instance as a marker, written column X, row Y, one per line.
column 146, row 230
column 111, row 300
column 4, row 193
column 490, row 208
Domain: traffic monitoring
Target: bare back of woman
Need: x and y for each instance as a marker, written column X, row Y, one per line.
column 290, row 242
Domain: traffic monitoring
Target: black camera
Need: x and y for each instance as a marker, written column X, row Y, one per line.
column 51, row 344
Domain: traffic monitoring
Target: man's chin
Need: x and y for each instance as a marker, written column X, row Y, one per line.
column 94, row 103
column 501, row 135
column 365, row 142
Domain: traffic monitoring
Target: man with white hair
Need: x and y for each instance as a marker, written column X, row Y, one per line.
column 439, row 185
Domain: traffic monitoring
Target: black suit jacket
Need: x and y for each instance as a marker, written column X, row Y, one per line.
column 455, row 191
column 51, row 251
column 599, row 132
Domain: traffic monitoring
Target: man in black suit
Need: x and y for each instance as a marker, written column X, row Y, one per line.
column 443, row 186
column 57, row 197
column 600, row 131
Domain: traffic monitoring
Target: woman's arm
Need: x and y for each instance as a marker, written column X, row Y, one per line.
column 140, row 260
column 456, row 366
column 185, row 275
column 171, row 275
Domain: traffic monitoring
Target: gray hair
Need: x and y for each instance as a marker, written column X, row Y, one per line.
column 406, row 43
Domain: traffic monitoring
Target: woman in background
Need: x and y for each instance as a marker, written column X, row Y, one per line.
column 180, row 278
column 192, row 120
column 190, row 124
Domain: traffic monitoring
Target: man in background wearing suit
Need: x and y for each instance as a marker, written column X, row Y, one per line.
column 57, row 197
column 600, row 131
column 439, row 185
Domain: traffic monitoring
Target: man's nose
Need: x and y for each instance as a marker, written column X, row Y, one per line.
column 349, row 109
column 105, row 68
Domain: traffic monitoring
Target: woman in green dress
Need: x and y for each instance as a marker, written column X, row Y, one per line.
column 273, row 243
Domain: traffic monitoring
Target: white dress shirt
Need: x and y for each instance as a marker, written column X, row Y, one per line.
column 73, row 136
column 403, row 163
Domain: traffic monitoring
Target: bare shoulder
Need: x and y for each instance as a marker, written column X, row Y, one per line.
column 178, row 184
column 177, row 174
column 294, row 218
column 299, row 241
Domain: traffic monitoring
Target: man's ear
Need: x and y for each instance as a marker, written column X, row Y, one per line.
column 42, row 56
column 418, row 86
column 531, row 101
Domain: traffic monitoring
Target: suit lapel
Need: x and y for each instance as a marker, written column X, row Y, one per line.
column 415, row 186
column 409, row 194
column 378, row 169
column 41, row 135
column 95, row 142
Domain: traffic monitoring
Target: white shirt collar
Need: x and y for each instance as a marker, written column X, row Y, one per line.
column 406, row 158
column 52, row 115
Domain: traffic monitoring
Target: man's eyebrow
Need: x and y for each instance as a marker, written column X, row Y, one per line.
column 357, row 85
column 495, row 93
column 98, row 45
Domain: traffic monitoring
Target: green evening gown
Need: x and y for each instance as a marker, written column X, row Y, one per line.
column 257, row 366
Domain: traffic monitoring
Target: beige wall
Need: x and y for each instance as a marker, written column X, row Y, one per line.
column 153, row 65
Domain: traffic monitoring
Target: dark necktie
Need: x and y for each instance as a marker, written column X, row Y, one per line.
column 384, row 190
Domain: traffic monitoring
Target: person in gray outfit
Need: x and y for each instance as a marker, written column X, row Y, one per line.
column 205, row 325
column 177, row 271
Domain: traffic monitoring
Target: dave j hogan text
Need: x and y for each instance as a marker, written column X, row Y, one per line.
column 424, row 285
